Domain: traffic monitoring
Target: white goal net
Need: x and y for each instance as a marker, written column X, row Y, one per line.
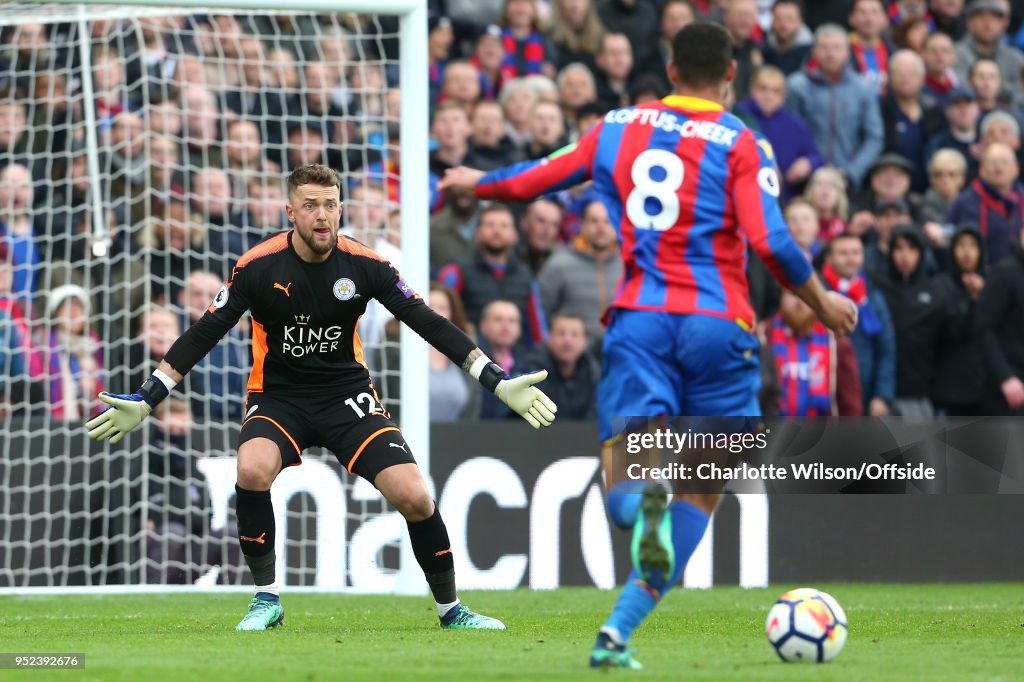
column 142, row 150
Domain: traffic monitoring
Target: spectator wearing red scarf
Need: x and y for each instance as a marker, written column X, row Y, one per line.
column 18, row 353
column 826, row 192
column 489, row 59
column 994, row 202
column 527, row 51
column 874, row 340
column 940, row 78
column 870, row 47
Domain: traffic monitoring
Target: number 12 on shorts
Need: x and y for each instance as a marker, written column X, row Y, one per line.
column 372, row 406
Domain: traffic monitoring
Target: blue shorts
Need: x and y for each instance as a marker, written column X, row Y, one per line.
column 667, row 364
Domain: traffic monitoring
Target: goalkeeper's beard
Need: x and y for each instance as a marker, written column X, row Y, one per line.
column 316, row 247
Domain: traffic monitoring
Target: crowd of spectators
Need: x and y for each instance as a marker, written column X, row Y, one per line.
column 896, row 127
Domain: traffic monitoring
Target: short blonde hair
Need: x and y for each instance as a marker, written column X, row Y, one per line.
column 799, row 202
column 769, row 71
column 948, row 155
column 513, row 87
column 546, row 89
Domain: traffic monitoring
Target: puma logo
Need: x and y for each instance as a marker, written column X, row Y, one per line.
column 284, row 288
column 250, row 411
column 258, row 540
column 398, row 445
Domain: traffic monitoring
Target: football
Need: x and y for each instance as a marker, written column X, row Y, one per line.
column 806, row 625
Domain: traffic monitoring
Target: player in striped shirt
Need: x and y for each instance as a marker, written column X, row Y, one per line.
column 687, row 187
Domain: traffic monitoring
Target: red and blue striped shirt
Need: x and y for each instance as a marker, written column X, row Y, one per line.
column 807, row 369
column 871, row 62
column 687, row 186
column 523, row 57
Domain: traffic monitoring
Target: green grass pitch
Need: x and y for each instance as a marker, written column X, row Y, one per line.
column 897, row 632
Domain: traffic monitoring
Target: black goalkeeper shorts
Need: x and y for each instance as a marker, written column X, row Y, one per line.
column 354, row 426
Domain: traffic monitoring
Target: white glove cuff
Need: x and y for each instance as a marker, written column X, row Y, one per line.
column 478, row 366
column 165, row 379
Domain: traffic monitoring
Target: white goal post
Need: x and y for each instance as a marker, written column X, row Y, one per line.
column 26, row 504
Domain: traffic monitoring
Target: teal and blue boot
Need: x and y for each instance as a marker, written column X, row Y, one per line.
column 265, row 612
column 652, row 551
column 461, row 618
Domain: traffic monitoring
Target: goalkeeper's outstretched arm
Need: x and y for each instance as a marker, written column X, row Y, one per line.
column 519, row 393
column 127, row 411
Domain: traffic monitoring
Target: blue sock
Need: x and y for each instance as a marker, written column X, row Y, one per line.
column 638, row 599
column 624, row 500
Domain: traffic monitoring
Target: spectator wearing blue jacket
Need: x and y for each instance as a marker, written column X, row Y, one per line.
column 874, row 338
column 961, row 132
column 795, row 152
column 993, row 202
column 909, row 121
column 840, row 106
column 17, row 231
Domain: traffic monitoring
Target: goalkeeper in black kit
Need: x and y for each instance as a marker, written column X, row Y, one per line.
column 306, row 289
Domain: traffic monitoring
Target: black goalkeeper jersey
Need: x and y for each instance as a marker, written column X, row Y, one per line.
column 304, row 316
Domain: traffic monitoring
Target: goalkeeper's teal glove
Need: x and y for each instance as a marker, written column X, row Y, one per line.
column 128, row 411
column 528, row 401
column 519, row 393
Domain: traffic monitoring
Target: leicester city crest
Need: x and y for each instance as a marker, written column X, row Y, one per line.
column 344, row 289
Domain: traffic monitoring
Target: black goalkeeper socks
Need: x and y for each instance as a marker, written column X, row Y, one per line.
column 263, row 568
column 442, row 586
column 255, row 514
column 433, row 552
